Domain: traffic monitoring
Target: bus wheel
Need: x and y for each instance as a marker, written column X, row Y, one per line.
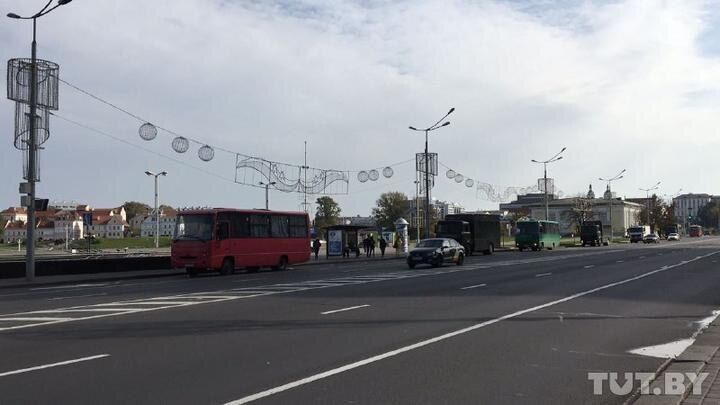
column 282, row 265
column 553, row 246
column 228, row 267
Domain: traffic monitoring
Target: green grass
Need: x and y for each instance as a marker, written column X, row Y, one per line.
column 130, row 243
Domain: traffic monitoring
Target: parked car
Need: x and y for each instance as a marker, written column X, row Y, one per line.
column 435, row 252
column 673, row 236
column 651, row 238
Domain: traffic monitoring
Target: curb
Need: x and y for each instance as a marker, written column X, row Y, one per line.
column 694, row 359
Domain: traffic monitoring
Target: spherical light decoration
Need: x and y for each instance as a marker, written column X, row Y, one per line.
column 180, row 144
column 450, row 174
column 147, row 131
column 206, row 153
column 374, row 175
column 459, row 178
column 363, row 176
column 469, row 182
column 388, row 172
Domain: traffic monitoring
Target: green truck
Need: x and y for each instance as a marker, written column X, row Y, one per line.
column 537, row 234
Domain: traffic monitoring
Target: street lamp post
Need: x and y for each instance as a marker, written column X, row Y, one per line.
column 545, row 163
column 433, row 127
column 32, row 142
column 647, row 199
column 157, row 211
column 417, row 212
column 609, row 191
column 267, row 194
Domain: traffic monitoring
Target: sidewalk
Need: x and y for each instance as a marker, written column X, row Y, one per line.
column 702, row 356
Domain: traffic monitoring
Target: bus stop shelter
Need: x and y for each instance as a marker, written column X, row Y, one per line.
column 341, row 237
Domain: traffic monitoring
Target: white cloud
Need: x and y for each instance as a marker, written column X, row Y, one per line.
column 621, row 84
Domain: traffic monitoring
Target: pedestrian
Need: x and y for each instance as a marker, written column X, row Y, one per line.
column 396, row 244
column 383, row 245
column 372, row 246
column 316, row 247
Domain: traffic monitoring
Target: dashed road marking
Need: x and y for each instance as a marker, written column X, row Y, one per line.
column 344, row 309
column 589, row 266
column 543, row 274
column 127, row 307
column 62, row 363
column 373, row 359
column 474, row 286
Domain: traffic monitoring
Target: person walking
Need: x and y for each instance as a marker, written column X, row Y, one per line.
column 383, row 245
column 316, row 247
column 372, row 246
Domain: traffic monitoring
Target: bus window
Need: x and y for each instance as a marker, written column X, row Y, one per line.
column 259, row 226
column 297, row 226
column 223, row 230
column 279, row 227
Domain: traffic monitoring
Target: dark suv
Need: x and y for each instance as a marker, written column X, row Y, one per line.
column 436, row 251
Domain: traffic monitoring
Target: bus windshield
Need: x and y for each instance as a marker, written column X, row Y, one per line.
column 198, row 227
column 528, row 227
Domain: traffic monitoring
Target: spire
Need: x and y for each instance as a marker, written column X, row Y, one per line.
column 590, row 193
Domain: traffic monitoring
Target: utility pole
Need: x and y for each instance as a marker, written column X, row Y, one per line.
column 32, row 143
column 545, row 179
column 157, row 210
column 647, row 201
column 433, row 127
column 267, row 188
column 610, row 198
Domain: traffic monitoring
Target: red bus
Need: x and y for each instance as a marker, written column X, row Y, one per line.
column 695, row 230
column 221, row 239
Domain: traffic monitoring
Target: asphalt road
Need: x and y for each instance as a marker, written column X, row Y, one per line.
column 511, row 328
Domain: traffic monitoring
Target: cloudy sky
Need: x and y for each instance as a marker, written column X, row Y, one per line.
column 622, row 84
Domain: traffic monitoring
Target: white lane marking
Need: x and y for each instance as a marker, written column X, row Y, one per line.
column 373, row 359
column 620, row 261
column 76, row 296
column 261, row 291
column 474, row 286
column 36, row 319
column 344, row 309
column 642, row 257
column 543, row 274
column 61, row 287
column 111, row 304
column 62, row 363
column 248, row 279
column 589, row 266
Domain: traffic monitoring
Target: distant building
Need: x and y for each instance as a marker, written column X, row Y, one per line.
column 689, row 204
column 522, row 202
column 167, row 224
column 565, row 211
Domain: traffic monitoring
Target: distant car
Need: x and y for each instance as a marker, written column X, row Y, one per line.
column 435, row 252
column 651, row 238
column 673, row 236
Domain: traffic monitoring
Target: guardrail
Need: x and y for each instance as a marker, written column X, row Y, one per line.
column 85, row 264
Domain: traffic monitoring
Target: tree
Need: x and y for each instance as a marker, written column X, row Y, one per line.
column 661, row 215
column 2, row 229
column 163, row 207
column 133, row 208
column 708, row 215
column 327, row 212
column 390, row 207
column 581, row 212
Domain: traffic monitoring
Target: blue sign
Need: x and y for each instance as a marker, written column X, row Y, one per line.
column 87, row 218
